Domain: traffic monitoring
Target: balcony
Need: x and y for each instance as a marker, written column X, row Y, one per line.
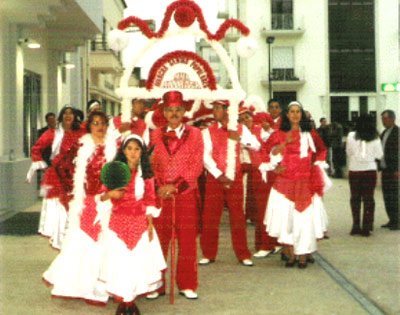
column 232, row 35
column 282, row 25
column 103, row 58
column 224, row 15
column 284, row 80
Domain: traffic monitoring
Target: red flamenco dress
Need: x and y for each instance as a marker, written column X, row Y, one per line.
column 132, row 264
column 53, row 216
column 75, row 271
column 295, row 213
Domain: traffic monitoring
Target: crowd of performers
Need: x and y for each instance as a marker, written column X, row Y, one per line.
column 115, row 243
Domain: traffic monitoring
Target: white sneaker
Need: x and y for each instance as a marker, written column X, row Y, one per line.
column 247, row 262
column 205, row 261
column 277, row 249
column 153, row 296
column 189, row 294
column 262, row 253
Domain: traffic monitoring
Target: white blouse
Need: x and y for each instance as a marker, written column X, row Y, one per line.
column 361, row 154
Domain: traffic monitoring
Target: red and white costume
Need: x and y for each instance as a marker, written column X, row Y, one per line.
column 138, row 127
column 75, row 271
column 53, row 216
column 132, row 264
column 178, row 160
column 295, row 213
column 259, row 191
column 215, row 161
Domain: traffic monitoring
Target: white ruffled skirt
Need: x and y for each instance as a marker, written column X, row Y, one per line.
column 129, row 273
column 53, row 220
column 75, row 271
column 291, row 227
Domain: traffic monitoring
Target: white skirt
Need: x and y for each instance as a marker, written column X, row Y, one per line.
column 75, row 271
column 291, row 227
column 53, row 220
column 129, row 273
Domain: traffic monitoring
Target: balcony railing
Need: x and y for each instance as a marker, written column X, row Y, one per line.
column 283, row 75
column 102, row 46
column 282, row 21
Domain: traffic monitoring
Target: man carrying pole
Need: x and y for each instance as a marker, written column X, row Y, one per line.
column 177, row 163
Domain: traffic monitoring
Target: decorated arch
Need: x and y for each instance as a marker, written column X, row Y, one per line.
column 184, row 70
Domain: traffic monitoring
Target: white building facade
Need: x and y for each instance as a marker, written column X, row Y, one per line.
column 36, row 81
column 308, row 47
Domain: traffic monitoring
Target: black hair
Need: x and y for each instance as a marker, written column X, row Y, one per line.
column 365, row 128
column 75, row 124
column 90, row 103
column 305, row 123
column 49, row 115
column 273, row 100
column 321, row 119
column 80, row 114
column 147, row 172
column 390, row 113
column 91, row 117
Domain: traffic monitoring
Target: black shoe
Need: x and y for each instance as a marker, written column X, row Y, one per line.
column 310, row 259
column 365, row 233
column 290, row 263
column 387, row 225
column 355, row 230
column 284, row 257
column 302, row 265
column 121, row 309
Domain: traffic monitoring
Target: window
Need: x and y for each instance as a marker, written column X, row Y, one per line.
column 352, row 46
column 283, row 64
column 284, row 98
column 282, row 14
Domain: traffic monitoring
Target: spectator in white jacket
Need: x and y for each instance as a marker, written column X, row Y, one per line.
column 363, row 148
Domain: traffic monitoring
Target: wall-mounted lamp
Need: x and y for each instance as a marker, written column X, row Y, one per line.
column 67, row 65
column 28, row 42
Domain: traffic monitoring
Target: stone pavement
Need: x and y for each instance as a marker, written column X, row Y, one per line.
column 352, row 275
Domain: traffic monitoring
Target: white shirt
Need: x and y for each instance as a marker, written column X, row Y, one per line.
column 247, row 140
column 362, row 154
column 179, row 130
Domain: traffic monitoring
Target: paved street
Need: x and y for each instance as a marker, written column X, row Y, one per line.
column 352, row 275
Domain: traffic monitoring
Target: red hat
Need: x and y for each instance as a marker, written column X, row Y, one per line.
column 173, row 99
column 221, row 102
column 244, row 109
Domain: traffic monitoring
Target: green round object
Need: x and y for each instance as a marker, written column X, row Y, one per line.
column 115, row 175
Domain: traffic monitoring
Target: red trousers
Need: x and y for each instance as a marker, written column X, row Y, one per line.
column 261, row 191
column 216, row 195
column 186, row 218
column 362, row 186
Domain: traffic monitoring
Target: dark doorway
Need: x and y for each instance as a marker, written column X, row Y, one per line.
column 32, row 109
column 284, row 98
column 340, row 111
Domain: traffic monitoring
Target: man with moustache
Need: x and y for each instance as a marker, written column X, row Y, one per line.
column 177, row 163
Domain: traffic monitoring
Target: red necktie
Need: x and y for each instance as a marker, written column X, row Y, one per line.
column 173, row 141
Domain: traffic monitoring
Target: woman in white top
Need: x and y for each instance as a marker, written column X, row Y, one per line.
column 363, row 148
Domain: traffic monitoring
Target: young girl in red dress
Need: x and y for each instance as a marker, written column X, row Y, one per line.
column 133, row 258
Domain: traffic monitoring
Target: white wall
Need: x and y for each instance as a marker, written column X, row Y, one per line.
column 387, row 53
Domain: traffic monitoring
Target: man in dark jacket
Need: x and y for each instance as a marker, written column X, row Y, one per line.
column 390, row 168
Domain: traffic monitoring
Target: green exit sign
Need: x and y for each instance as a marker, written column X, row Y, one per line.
column 391, row 87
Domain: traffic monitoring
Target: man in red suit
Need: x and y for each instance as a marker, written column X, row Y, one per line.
column 219, row 188
column 264, row 244
column 177, row 163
